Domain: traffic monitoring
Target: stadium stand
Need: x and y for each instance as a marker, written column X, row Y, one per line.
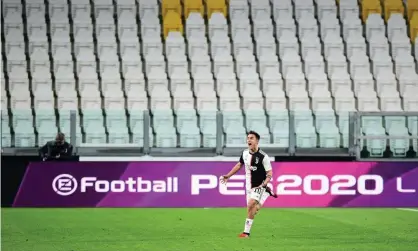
column 185, row 60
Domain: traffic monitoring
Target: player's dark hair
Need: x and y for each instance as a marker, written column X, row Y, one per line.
column 257, row 136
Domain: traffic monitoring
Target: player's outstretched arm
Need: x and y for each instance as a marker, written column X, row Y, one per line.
column 234, row 170
column 269, row 170
column 269, row 175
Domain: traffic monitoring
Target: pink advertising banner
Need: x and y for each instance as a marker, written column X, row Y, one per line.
column 196, row 184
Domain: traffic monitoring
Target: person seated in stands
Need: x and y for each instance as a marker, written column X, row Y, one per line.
column 57, row 149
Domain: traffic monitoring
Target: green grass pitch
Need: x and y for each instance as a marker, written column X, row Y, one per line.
column 208, row 230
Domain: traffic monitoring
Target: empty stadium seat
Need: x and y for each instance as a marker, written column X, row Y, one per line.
column 172, row 21
column 325, row 123
column 193, row 6
column 46, row 125
column 136, row 126
column 117, row 127
column 305, row 131
column 24, row 135
column 64, row 122
column 216, row 6
column 93, row 126
column 6, row 138
column 187, row 127
column 233, row 125
column 393, row 7
column 256, row 120
column 163, row 125
column 207, row 122
column 171, row 5
column 369, row 7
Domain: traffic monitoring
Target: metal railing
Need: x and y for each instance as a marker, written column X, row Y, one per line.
column 355, row 135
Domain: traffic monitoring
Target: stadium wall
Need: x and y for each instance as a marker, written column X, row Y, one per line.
column 177, row 183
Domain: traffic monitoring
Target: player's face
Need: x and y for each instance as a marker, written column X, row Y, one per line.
column 252, row 141
column 59, row 141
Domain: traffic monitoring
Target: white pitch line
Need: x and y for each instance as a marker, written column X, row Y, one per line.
column 408, row 209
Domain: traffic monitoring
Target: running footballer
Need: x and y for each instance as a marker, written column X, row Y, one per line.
column 258, row 173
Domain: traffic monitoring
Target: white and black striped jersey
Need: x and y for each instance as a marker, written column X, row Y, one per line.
column 256, row 167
